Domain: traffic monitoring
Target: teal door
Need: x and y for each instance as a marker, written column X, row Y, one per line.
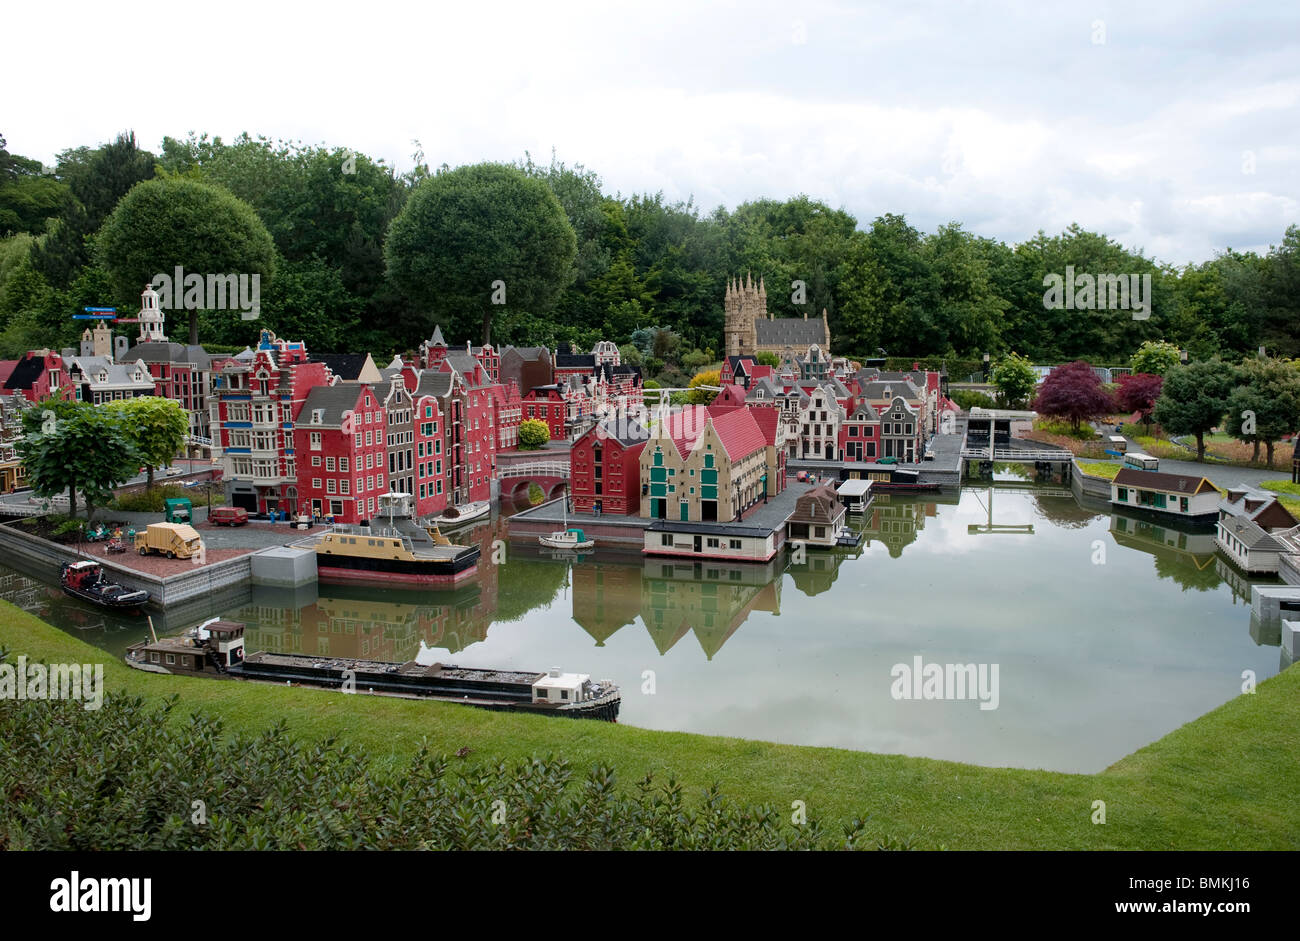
column 686, row 513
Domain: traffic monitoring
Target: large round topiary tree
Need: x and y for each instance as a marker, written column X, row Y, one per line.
column 477, row 242
column 169, row 222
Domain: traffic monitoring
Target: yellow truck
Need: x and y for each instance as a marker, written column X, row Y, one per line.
column 174, row 540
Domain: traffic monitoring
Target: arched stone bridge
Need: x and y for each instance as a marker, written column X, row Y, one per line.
column 550, row 471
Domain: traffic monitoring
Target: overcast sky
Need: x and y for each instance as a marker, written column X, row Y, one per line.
column 1171, row 127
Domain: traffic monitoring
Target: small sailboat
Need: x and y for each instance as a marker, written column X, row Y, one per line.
column 570, row 537
column 465, row 513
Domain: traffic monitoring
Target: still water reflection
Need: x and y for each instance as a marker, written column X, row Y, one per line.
column 1108, row 631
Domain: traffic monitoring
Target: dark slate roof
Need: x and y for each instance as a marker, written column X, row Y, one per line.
column 347, row 366
column 334, row 400
column 627, row 431
column 876, row 390
column 1250, row 533
column 26, row 371
column 769, row 390
column 575, row 360
column 170, row 353
column 433, row 383
column 463, row 363
column 627, row 369
column 789, row 331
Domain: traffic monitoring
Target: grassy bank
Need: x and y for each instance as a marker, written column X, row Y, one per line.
column 1218, row 782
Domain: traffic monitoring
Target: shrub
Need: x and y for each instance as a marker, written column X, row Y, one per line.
column 533, row 434
column 967, row 399
column 125, row 777
column 535, row 495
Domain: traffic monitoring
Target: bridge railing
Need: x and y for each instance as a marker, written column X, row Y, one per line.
column 533, row 469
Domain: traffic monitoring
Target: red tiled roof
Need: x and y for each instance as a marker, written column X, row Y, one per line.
column 684, row 427
column 768, row 420
column 739, row 433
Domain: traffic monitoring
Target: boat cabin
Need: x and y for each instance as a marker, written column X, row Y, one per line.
column 209, row 648
column 855, row 495
column 557, row 687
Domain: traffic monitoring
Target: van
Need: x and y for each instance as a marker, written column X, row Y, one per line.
column 228, row 516
column 174, row 540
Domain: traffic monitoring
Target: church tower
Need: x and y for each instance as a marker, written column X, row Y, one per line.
column 98, row 342
column 151, row 318
column 744, row 303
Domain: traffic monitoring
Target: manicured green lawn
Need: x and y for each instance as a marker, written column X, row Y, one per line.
column 1100, row 469
column 1288, row 493
column 1222, row 781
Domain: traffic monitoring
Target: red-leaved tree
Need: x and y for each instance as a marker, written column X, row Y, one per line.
column 1138, row 393
column 1073, row 391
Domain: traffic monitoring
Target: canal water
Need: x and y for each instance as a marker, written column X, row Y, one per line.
column 1106, row 632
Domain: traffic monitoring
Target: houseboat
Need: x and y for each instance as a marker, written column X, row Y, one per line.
column 574, row 695
column 818, row 518
column 388, row 554
column 888, row 478
column 1158, row 495
column 85, row 580
column 1254, row 530
column 855, row 495
column 210, row 649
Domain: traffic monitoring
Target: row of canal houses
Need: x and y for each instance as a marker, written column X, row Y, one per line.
column 326, row 436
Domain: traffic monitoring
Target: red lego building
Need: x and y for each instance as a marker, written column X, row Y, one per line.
column 340, row 438
column 548, row 404
column 605, row 466
column 39, row 375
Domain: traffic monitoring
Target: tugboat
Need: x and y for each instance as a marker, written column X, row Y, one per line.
column 210, row 649
column 85, row 580
column 386, row 554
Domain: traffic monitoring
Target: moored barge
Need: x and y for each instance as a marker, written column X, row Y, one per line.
column 553, row 693
column 386, row 554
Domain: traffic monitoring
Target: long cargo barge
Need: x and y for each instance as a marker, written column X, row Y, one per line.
column 216, row 649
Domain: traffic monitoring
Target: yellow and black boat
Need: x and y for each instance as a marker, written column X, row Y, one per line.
column 379, row 554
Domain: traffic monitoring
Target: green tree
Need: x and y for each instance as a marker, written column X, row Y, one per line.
column 170, row 222
column 1266, row 405
column 699, row 396
column 1194, row 399
column 157, row 427
column 83, row 449
column 768, row 359
column 533, row 434
column 1155, row 357
column 98, row 179
column 1015, row 379
column 480, row 240
column 29, row 196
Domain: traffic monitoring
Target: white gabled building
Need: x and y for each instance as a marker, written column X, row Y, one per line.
column 1254, row 529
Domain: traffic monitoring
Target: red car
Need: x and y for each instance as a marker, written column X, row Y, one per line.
column 228, row 516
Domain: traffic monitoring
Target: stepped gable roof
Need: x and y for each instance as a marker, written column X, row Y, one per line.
column 333, row 401
column 821, row 504
column 6, row 370
column 434, row 383
column 739, row 433
column 1158, row 480
column 789, row 331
